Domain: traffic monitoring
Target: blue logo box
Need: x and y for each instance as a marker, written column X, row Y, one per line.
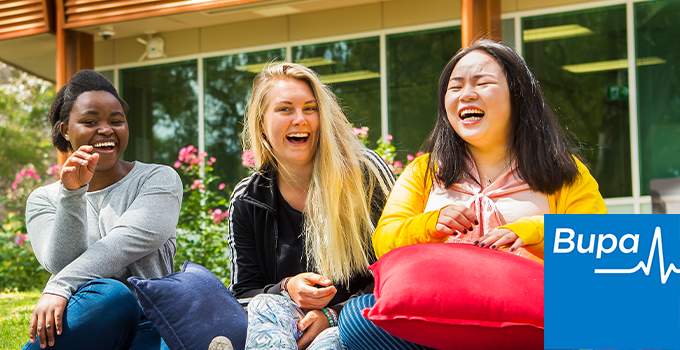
column 612, row 281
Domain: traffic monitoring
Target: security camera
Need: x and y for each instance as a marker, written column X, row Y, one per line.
column 106, row 32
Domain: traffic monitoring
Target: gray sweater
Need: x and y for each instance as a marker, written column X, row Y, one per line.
column 126, row 229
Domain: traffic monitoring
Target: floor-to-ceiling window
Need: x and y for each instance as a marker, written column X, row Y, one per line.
column 580, row 60
column 352, row 69
column 163, row 114
column 414, row 63
column 228, row 81
column 658, row 77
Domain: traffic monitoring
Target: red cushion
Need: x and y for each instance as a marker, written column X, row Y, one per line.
column 459, row 296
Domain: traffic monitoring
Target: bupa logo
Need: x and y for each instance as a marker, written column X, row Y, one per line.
column 611, row 281
column 609, row 243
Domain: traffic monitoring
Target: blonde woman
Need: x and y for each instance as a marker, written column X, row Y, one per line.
column 300, row 227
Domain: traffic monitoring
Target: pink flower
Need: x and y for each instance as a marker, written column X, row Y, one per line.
column 419, row 154
column 14, row 186
column 410, row 157
column 248, row 158
column 360, row 131
column 202, row 154
column 178, row 164
column 218, row 215
column 20, row 242
column 221, row 187
column 54, row 170
column 388, row 137
column 397, row 164
column 196, row 184
column 212, row 159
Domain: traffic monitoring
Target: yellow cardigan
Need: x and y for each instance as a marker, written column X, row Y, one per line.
column 403, row 221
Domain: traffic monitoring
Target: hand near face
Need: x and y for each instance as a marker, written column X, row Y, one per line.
column 79, row 168
column 301, row 289
column 454, row 219
column 46, row 321
column 313, row 324
column 500, row 237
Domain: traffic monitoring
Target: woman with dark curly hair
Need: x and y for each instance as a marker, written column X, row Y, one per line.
column 105, row 221
column 497, row 162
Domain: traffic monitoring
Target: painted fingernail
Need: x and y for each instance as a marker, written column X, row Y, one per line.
column 464, row 231
column 471, row 227
column 482, row 245
column 512, row 249
column 493, row 246
column 476, row 222
column 475, row 242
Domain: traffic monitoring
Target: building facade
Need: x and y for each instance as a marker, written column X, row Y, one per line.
column 611, row 70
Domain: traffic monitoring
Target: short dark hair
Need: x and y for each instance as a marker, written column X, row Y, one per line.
column 83, row 81
column 537, row 143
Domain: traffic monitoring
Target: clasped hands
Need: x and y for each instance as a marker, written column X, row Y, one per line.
column 457, row 219
column 311, row 300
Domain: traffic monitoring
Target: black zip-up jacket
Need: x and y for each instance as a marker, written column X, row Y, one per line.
column 253, row 236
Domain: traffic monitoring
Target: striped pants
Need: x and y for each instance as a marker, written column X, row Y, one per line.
column 358, row 333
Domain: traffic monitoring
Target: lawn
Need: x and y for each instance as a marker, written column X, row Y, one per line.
column 15, row 313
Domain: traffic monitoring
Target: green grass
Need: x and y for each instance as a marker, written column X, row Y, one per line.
column 15, row 313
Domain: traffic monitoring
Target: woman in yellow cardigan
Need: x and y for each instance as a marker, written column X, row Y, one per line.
column 497, row 162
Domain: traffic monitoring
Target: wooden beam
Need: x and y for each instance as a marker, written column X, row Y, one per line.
column 75, row 51
column 481, row 19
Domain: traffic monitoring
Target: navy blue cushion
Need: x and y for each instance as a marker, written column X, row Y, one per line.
column 191, row 307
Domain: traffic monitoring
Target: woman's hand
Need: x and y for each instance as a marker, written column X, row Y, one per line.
column 47, row 317
column 79, row 168
column 313, row 324
column 456, row 218
column 302, row 291
column 500, row 237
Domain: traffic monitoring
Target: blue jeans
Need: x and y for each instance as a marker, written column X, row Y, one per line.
column 104, row 314
column 359, row 333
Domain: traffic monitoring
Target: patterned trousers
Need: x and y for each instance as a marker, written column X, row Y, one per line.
column 272, row 324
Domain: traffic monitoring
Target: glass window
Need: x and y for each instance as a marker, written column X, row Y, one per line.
column 658, row 76
column 580, row 61
column 163, row 114
column 108, row 74
column 352, row 69
column 414, row 63
column 228, row 82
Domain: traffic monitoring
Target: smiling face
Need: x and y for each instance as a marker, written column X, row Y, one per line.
column 291, row 122
column 97, row 119
column 477, row 101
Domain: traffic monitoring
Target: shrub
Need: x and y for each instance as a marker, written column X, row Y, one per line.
column 202, row 226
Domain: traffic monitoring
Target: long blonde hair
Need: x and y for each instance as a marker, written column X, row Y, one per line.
column 337, row 224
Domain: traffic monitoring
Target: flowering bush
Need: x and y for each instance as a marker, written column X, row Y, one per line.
column 386, row 150
column 19, row 268
column 202, row 226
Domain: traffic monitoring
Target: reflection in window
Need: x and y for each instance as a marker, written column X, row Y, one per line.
column 352, row 69
column 658, row 90
column 579, row 59
column 228, row 82
column 414, row 63
column 163, row 114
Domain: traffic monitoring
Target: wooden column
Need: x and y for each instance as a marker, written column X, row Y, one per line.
column 75, row 51
column 481, row 19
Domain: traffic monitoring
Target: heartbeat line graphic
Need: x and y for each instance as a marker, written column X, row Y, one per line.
column 647, row 267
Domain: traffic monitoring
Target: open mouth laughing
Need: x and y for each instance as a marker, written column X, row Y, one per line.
column 107, row 146
column 471, row 114
column 298, row 137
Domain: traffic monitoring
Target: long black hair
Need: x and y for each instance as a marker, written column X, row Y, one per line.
column 538, row 145
column 83, row 81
